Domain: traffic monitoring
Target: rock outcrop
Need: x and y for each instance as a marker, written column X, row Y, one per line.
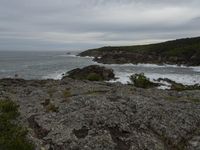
column 93, row 73
column 105, row 116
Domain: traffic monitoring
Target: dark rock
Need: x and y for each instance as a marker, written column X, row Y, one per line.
column 81, row 133
column 38, row 130
column 93, row 73
column 117, row 137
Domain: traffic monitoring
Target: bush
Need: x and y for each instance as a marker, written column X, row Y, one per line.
column 141, row 81
column 8, row 109
column 94, row 77
column 12, row 136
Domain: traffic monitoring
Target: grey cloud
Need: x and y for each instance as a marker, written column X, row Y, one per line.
column 78, row 24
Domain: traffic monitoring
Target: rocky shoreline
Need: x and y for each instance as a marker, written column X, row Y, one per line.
column 73, row 114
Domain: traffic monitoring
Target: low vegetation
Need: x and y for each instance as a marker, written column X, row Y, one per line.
column 181, row 87
column 195, row 100
column 178, row 86
column 12, row 135
column 94, row 77
column 67, row 93
column 141, row 81
column 182, row 51
column 51, row 91
column 171, row 98
column 51, row 108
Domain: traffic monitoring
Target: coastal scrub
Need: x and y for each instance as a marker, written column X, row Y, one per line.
column 141, row 81
column 12, row 135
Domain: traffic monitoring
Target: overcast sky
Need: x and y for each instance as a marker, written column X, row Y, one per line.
column 82, row 24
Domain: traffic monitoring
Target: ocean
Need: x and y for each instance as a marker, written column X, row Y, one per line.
column 51, row 65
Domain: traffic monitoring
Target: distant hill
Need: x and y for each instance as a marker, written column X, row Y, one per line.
column 182, row 52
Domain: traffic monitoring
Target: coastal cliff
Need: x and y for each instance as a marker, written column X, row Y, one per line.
column 181, row 52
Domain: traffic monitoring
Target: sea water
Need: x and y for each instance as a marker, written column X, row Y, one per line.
column 51, row 65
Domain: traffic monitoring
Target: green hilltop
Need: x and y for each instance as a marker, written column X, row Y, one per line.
column 181, row 51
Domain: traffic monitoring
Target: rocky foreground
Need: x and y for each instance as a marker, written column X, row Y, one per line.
column 83, row 115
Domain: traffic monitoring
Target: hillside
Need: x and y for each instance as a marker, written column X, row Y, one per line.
column 182, row 52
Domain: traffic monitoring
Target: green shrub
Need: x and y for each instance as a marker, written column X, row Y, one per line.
column 195, row 100
column 181, row 87
column 141, row 81
column 178, row 87
column 8, row 109
column 12, row 135
column 94, row 77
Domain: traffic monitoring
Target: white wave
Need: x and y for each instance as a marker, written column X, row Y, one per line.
column 6, row 70
column 70, row 55
column 90, row 57
column 164, row 87
column 120, row 65
column 147, row 65
column 56, row 75
column 179, row 78
column 122, row 77
column 196, row 69
column 76, row 56
column 150, row 65
column 176, row 66
column 2, row 70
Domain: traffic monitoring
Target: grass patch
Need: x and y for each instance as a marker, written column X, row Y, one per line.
column 171, row 98
column 8, row 109
column 50, row 107
column 181, row 87
column 51, row 91
column 141, row 81
column 12, row 136
column 195, row 100
column 67, row 93
column 95, row 92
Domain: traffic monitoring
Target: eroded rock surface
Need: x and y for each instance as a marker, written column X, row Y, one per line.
column 105, row 116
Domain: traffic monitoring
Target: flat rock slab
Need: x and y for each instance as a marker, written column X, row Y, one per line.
column 84, row 115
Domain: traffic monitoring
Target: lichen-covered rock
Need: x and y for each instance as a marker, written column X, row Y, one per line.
column 105, row 116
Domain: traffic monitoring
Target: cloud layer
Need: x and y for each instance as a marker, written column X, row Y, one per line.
column 78, row 24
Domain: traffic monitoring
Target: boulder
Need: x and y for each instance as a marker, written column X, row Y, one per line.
column 92, row 73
